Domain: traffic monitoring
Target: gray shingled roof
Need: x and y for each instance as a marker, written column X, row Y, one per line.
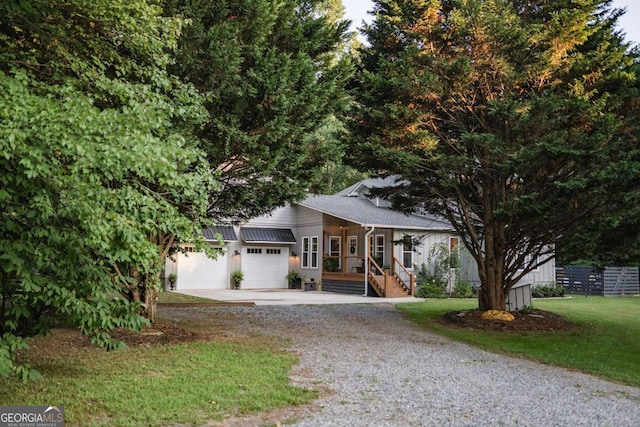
column 227, row 233
column 267, row 235
column 362, row 211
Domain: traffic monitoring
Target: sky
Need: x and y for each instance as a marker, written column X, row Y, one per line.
column 356, row 11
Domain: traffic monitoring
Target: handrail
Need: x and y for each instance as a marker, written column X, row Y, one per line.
column 411, row 276
column 377, row 268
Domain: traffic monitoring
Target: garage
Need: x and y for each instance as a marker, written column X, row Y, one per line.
column 196, row 271
column 265, row 267
column 265, row 257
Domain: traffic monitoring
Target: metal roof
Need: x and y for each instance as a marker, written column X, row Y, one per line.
column 267, row 235
column 361, row 211
column 227, row 232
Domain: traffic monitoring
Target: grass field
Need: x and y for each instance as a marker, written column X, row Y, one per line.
column 186, row 384
column 175, row 297
column 606, row 344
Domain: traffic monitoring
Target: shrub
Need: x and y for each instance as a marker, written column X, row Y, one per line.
column 430, row 289
column 463, row 290
column 548, row 291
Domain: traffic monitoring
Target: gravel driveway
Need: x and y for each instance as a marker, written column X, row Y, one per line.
column 379, row 369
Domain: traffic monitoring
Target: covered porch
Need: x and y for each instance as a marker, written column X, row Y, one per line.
column 357, row 275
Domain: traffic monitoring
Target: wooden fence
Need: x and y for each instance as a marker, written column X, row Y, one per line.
column 588, row 280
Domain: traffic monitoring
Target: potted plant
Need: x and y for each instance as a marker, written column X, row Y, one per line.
column 236, row 278
column 173, row 278
column 331, row 264
column 294, row 280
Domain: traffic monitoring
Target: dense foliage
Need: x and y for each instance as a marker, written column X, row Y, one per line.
column 125, row 127
column 96, row 165
column 515, row 120
column 273, row 76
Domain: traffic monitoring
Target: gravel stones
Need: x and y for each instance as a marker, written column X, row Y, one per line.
column 380, row 369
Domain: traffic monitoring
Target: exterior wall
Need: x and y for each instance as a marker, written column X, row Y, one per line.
column 284, row 217
column 544, row 274
column 423, row 253
column 309, row 224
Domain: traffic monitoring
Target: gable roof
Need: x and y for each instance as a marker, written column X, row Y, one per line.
column 267, row 235
column 362, row 211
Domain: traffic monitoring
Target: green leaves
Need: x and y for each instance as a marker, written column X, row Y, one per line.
column 273, row 75
column 98, row 164
column 520, row 108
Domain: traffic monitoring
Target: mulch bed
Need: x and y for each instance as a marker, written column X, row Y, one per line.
column 534, row 321
column 160, row 333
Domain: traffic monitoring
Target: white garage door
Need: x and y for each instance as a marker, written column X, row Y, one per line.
column 197, row 271
column 265, row 267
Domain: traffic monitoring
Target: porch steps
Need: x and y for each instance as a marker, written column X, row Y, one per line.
column 394, row 287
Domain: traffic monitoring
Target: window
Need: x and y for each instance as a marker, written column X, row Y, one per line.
column 380, row 247
column 407, row 251
column 309, row 252
column 376, row 248
column 305, row 252
column 335, row 249
column 314, row 252
column 528, row 259
column 453, row 244
column 254, row 250
column 271, row 251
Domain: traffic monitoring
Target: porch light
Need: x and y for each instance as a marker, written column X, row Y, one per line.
column 293, row 254
column 237, row 252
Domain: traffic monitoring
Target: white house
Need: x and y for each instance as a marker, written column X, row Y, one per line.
column 338, row 243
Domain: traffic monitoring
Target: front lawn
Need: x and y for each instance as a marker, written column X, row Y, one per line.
column 186, row 384
column 173, row 297
column 606, row 344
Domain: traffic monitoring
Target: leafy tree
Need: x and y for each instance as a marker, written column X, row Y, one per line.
column 515, row 120
column 97, row 165
column 273, row 75
column 334, row 175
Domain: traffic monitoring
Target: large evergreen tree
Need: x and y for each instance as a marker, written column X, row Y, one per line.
column 513, row 119
column 273, row 74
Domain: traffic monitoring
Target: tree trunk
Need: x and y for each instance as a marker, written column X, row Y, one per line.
column 151, row 301
column 492, row 296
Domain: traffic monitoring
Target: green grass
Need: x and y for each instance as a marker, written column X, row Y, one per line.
column 188, row 384
column 606, row 344
column 175, row 297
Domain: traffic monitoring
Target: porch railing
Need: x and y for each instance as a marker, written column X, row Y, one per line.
column 374, row 271
column 342, row 264
column 354, row 265
column 406, row 278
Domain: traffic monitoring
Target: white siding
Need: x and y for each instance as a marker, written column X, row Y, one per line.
column 309, row 224
column 422, row 253
column 284, row 217
column 544, row 274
